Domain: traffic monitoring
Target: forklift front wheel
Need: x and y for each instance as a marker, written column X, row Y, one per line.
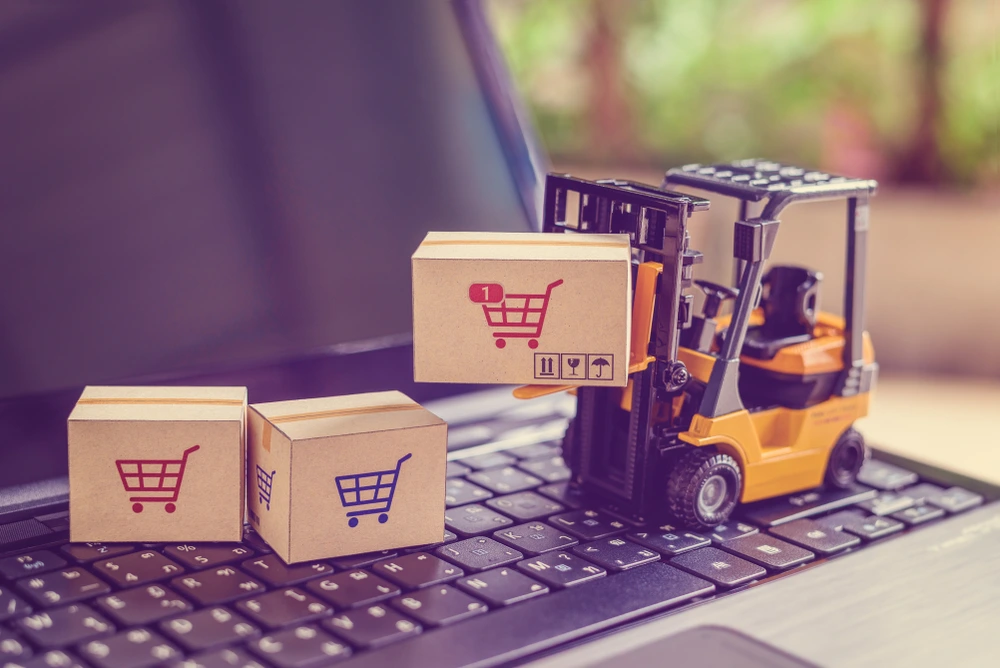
column 704, row 488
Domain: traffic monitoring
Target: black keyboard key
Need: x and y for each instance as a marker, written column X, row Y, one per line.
column 373, row 626
column 719, row 567
column 455, row 470
column 782, row 509
column 209, row 628
column 616, row 554
column 84, row 553
column 142, row 605
column 549, row 469
column 206, row 555
column 561, row 569
column 419, row 569
column 13, row 648
column 54, row 658
column 64, row 626
column 885, row 476
column 60, row 587
column 768, row 551
column 864, row 526
column 137, row 568
column 12, row 605
column 479, row 554
column 439, row 605
column 253, row 540
column 535, row 538
column 506, row 480
column 588, row 524
column 534, row 450
column 955, row 499
column 816, row 537
column 670, row 542
column 525, row 506
column 217, row 585
column 919, row 493
column 136, row 648
column 449, row 537
column 232, row 657
column 30, row 563
column 488, row 461
column 544, row 622
column 272, row 570
column 352, row 589
column 564, row 494
column 300, row 646
column 362, row 560
column 474, row 519
column 920, row 514
column 458, row 492
column 502, row 586
column 283, row 607
column 731, row 530
column 887, row 503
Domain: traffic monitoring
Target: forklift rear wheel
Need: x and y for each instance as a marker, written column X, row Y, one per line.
column 846, row 459
column 704, row 488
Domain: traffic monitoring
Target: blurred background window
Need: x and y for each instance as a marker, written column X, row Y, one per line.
column 904, row 91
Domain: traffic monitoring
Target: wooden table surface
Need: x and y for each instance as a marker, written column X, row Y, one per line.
column 952, row 423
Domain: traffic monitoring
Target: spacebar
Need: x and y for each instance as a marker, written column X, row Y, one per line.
column 541, row 623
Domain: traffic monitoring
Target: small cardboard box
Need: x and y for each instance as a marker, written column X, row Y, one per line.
column 523, row 308
column 156, row 464
column 344, row 475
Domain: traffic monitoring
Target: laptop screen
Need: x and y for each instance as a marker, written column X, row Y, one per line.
column 204, row 185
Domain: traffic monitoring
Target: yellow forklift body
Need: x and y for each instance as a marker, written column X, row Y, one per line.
column 780, row 450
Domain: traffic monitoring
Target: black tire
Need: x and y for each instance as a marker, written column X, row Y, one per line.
column 846, row 459
column 704, row 488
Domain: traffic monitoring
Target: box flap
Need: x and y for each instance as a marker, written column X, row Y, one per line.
column 524, row 246
column 160, row 403
column 352, row 414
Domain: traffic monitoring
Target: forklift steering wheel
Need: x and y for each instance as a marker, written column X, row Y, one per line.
column 715, row 295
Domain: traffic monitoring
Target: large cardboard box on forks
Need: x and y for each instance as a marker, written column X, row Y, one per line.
column 522, row 308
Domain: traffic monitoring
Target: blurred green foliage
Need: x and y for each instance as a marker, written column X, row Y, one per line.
column 835, row 83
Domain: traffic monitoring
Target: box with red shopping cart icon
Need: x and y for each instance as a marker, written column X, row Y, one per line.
column 157, row 464
column 522, row 308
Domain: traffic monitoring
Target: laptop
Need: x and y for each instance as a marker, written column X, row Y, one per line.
column 244, row 184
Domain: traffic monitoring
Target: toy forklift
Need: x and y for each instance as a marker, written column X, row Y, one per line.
column 721, row 409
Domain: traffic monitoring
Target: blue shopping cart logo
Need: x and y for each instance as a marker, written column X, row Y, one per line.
column 370, row 492
column 264, row 481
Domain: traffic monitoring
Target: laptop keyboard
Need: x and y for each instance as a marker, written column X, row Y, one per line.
column 526, row 564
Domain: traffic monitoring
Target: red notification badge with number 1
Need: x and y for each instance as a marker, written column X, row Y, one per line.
column 486, row 293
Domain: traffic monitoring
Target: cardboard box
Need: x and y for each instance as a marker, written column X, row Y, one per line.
column 550, row 309
column 157, row 464
column 343, row 475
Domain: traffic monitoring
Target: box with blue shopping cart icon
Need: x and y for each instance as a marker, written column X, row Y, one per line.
column 341, row 475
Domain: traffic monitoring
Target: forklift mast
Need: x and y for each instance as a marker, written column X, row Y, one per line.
column 609, row 451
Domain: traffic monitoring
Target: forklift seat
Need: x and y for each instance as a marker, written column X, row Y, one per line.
column 790, row 304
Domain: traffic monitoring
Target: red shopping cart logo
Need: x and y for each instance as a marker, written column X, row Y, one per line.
column 513, row 316
column 157, row 480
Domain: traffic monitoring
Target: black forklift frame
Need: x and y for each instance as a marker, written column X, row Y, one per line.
column 753, row 238
column 656, row 222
